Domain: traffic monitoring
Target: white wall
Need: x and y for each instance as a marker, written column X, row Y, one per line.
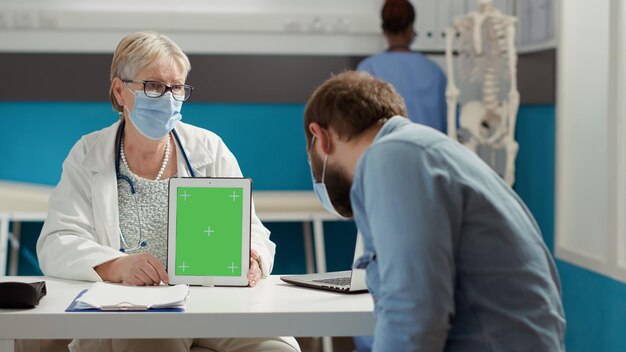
column 221, row 26
column 199, row 26
column 590, row 132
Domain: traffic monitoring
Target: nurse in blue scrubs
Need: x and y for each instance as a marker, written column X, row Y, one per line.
column 418, row 79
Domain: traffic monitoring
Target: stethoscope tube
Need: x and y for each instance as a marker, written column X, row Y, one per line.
column 141, row 243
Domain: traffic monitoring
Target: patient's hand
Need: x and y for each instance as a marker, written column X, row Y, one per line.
column 254, row 274
column 134, row 269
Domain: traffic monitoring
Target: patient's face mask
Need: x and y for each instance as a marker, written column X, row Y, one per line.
column 155, row 117
column 333, row 190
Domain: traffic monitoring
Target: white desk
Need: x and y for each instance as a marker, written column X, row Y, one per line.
column 270, row 309
column 24, row 202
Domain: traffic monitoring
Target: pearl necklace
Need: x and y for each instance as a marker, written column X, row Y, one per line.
column 166, row 158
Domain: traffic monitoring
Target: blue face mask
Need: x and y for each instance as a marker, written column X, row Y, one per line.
column 320, row 187
column 155, row 117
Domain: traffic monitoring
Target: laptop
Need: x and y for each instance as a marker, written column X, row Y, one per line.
column 349, row 281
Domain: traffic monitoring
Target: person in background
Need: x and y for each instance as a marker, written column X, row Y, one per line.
column 418, row 79
column 107, row 217
column 454, row 260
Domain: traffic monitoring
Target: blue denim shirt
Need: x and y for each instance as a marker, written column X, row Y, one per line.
column 454, row 259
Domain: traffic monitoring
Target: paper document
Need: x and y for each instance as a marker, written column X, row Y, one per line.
column 107, row 296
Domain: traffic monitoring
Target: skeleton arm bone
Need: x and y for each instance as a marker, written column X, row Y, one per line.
column 452, row 92
column 514, row 98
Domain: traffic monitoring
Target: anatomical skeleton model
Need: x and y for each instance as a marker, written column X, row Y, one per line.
column 487, row 54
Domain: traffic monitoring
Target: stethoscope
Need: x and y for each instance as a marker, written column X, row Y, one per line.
column 141, row 242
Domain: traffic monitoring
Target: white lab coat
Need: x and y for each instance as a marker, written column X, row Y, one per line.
column 82, row 227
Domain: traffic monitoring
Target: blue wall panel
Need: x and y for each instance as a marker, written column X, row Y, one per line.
column 534, row 173
column 268, row 140
column 38, row 136
column 595, row 307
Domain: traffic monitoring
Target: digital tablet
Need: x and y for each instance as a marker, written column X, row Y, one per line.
column 209, row 231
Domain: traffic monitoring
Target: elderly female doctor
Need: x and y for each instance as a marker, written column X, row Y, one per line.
column 107, row 216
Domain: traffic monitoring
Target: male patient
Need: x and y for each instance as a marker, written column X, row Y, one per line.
column 454, row 259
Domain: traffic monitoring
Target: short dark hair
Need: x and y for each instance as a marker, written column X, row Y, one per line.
column 351, row 103
column 397, row 16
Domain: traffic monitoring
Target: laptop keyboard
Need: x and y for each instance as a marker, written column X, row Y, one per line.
column 340, row 281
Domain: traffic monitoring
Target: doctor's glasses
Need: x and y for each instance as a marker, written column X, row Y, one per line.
column 156, row 89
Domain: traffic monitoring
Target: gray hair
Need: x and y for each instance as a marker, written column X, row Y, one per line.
column 139, row 50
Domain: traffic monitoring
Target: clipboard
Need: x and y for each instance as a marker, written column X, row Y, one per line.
column 121, row 309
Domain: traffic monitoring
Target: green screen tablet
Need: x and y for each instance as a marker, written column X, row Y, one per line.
column 209, row 231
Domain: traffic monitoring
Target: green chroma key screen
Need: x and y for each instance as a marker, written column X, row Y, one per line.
column 208, row 231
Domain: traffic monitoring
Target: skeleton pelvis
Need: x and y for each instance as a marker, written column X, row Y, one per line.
column 480, row 122
column 481, row 131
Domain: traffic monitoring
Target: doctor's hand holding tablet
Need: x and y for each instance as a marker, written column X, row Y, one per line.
column 145, row 269
column 208, row 238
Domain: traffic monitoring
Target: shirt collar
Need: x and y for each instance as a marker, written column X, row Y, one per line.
column 391, row 125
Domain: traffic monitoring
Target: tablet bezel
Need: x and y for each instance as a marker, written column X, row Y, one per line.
column 209, row 182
